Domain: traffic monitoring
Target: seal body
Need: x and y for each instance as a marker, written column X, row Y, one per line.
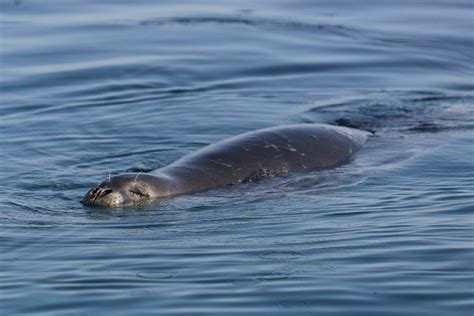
column 244, row 158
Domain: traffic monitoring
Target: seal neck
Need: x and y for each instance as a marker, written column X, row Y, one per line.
column 183, row 179
column 165, row 184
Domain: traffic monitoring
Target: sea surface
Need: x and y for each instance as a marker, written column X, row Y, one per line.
column 95, row 88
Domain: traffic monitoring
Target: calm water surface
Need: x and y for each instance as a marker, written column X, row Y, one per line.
column 92, row 88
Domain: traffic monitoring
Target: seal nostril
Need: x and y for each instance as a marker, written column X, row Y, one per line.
column 98, row 192
column 102, row 192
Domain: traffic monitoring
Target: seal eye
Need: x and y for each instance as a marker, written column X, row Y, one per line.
column 138, row 193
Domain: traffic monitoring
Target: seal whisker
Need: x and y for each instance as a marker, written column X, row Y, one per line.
column 136, row 178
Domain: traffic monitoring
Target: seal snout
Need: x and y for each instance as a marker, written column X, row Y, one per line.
column 99, row 197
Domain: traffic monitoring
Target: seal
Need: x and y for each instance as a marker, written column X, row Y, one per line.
column 241, row 159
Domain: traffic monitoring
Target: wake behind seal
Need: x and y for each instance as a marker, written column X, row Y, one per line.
column 243, row 158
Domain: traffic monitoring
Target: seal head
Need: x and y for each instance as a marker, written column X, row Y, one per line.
column 122, row 190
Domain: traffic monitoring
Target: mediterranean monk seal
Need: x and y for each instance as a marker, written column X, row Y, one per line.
column 240, row 159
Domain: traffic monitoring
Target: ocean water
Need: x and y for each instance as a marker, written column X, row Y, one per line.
column 91, row 88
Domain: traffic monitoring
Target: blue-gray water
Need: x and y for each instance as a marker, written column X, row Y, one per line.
column 94, row 87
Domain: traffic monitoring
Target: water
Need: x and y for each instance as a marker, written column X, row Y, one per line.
column 90, row 88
